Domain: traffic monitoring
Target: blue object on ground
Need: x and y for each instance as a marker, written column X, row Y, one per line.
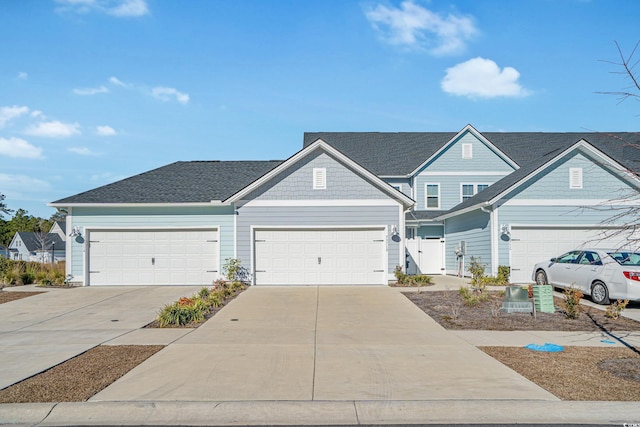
column 548, row 347
column 608, row 341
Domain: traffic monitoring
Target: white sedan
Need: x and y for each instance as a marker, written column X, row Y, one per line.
column 605, row 274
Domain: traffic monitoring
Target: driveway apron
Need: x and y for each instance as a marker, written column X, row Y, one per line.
column 320, row 343
column 44, row 330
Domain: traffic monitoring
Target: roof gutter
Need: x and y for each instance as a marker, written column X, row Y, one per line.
column 61, row 206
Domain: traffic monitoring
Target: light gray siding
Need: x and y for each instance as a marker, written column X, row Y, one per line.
column 317, row 216
column 483, row 159
column 598, row 182
column 220, row 217
column 296, row 183
column 475, row 229
column 403, row 183
column 450, row 187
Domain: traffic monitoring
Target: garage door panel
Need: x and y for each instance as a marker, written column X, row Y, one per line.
column 159, row 257
column 319, row 257
column 530, row 245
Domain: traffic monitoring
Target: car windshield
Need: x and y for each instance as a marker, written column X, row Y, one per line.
column 626, row 258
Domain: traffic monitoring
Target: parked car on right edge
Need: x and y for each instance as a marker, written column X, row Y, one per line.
column 604, row 274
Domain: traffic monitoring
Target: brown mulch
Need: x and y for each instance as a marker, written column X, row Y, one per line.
column 577, row 373
column 13, row 296
column 81, row 377
column 440, row 305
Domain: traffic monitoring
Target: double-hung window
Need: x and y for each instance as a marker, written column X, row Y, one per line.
column 467, row 191
column 432, row 196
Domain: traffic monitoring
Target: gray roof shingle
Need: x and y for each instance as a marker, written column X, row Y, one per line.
column 400, row 153
column 179, row 182
column 32, row 241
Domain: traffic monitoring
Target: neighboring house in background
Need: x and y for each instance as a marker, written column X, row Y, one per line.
column 4, row 252
column 349, row 207
column 47, row 248
column 59, row 228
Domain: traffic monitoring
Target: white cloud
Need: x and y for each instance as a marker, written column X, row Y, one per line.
column 37, row 113
column 117, row 82
column 16, row 147
column 167, row 93
column 83, row 151
column 14, row 185
column 129, row 8
column 91, row 90
column 414, row 26
column 23, row 76
column 106, row 177
column 9, row 113
column 54, row 129
column 482, row 78
column 119, row 8
column 105, row 131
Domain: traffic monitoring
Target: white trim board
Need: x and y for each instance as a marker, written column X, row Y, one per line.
column 569, row 202
column 320, row 202
column 464, row 173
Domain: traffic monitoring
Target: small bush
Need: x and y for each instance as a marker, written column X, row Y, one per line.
column 476, row 268
column 179, row 315
column 571, row 303
column 412, row 280
column 504, row 271
column 615, row 309
column 204, row 293
column 234, row 271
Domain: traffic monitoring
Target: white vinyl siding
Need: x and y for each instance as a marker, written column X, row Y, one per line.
column 432, row 196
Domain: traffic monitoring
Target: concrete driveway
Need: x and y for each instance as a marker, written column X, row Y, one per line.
column 44, row 330
column 320, row 344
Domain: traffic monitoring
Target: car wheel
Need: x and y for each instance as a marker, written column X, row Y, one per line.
column 541, row 278
column 599, row 293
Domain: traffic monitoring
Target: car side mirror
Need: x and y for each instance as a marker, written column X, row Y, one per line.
column 553, row 259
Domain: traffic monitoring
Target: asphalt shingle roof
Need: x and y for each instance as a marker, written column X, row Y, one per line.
column 400, row 153
column 32, row 242
column 179, row 182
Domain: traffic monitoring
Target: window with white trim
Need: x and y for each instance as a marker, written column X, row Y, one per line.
column 467, row 191
column 432, row 196
column 575, row 178
column 319, row 178
column 467, row 151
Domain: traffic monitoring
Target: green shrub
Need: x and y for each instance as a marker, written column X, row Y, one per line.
column 204, row 293
column 215, row 299
column 234, row 271
column 26, row 278
column 412, row 280
column 571, row 303
column 504, row 271
column 179, row 315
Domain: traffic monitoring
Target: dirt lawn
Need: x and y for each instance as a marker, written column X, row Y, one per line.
column 12, row 296
column 577, row 373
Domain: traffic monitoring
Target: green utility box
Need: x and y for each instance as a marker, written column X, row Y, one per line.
column 543, row 297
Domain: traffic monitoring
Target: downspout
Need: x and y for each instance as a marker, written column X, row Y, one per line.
column 493, row 219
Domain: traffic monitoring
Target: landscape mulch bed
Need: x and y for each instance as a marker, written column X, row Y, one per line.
column 440, row 305
column 79, row 378
column 13, row 296
column 577, row 373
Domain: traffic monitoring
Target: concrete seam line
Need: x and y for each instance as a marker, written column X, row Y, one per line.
column 315, row 345
column 48, row 413
column 355, row 408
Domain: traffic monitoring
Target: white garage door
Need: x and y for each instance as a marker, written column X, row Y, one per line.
column 153, row 257
column 530, row 246
column 320, row 257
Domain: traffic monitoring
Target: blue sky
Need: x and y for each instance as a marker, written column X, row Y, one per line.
column 92, row 91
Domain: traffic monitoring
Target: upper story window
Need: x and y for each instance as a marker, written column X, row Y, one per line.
column 467, row 191
column 432, row 196
column 575, row 178
column 467, row 151
column 319, row 178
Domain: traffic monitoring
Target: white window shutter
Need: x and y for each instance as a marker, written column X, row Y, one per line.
column 575, row 178
column 467, row 151
column 319, row 178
